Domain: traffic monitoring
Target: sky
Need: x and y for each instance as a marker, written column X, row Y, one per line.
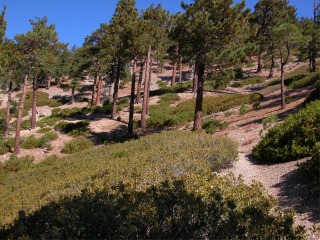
column 76, row 19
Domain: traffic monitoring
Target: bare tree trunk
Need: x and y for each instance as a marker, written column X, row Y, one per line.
column 116, row 90
column 260, row 61
column 131, row 110
column 271, row 67
column 180, row 70
column 174, row 73
column 95, row 90
column 149, row 84
column 283, row 97
column 34, row 104
column 199, row 99
column 21, row 106
column 72, row 94
column 6, row 130
column 49, row 82
column 138, row 98
column 145, row 95
column 195, row 79
column 99, row 89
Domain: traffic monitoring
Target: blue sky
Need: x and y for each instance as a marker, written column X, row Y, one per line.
column 75, row 19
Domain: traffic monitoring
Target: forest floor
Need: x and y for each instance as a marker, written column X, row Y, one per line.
column 279, row 180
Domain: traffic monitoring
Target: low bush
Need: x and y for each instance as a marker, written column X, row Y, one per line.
column 169, row 98
column 163, row 115
column 15, row 163
column 44, row 130
column 308, row 80
column 31, row 142
column 292, row 139
column 143, row 162
column 212, row 125
column 188, row 207
column 248, row 81
column 77, row 145
column 310, row 170
column 244, row 109
column 73, row 129
column 48, row 121
column 314, row 95
column 42, row 100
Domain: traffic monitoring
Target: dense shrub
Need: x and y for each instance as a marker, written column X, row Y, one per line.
column 42, row 100
column 44, row 130
column 15, row 163
column 77, row 145
column 212, row 125
column 73, row 129
column 189, row 207
column 310, row 170
column 314, row 95
column 31, row 142
column 48, row 121
column 146, row 161
column 162, row 114
column 292, row 139
column 308, row 80
column 248, row 81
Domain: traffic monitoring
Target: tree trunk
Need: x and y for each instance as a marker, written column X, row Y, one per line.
column 271, row 67
column 116, row 90
column 313, row 57
column 138, row 98
column 72, row 94
column 21, row 106
column 111, row 91
column 145, row 94
column 174, row 73
column 99, row 89
column 199, row 100
column 34, row 104
column 180, row 70
column 131, row 111
column 149, row 84
column 6, row 130
column 260, row 61
column 95, row 90
column 283, row 97
column 195, row 80
column 49, row 82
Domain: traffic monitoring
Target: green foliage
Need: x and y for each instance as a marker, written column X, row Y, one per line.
column 212, row 125
column 77, row 145
column 310, row 170
column 15, row 163
column 292, row 139
column 73, row 129
column 42, row 100
column 145, row 161
column 169, row 98
column 44, row 130
column 162, row 114
column 48, row 121
column 248, row 81
column 244, row 109
column 188, row 207
column 308, row 80
column 31, row 142
column 314, row 95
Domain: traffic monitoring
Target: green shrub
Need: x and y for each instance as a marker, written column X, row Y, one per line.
column 77, row 145
column 48, row 121
column 244, row 109
column 292, row 139
column 308, row 80
column 42, row 100
column 69, row 112
column 238, row 73
column 44, row 130
column 3, row 146
column 15, row 163
column 212, row 125
column 248, row 81
column 310, row 170
column 314, row 95
column 193, row 207
column 146, row 161
column 169, row 98
column 31, row 142
column 163, row 114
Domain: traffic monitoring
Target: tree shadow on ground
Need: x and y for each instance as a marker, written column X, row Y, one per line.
column 297, row 195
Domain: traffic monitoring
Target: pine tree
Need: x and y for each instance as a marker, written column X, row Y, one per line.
column 3, row 25
column 286, row 37
column 267, row 15
column 208, row 27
